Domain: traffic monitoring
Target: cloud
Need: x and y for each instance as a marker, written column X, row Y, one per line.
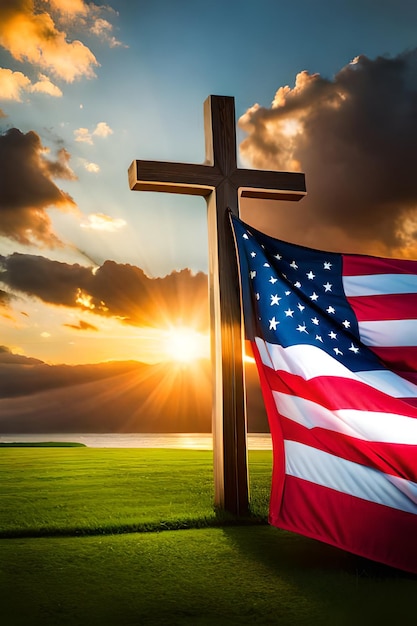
column 85, row 136
column 102, row 130
column 12, row 84
column 355, row 137
column 23, row 215
column 91, row 167
column 103, row 30
column 44, row 85
column 100, row 221
column 82, row 326
column 5, row 299
column 87, row 15
column 70, row 8
column 115, row 290
column 31, row 35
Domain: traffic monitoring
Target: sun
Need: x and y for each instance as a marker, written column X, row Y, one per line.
column 185, row 344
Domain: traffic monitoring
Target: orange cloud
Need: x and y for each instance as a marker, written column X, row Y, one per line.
column 34, row 37
column 12, row 84
column 44, row 85
column 70, row 8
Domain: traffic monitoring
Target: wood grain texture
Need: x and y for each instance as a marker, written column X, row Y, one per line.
column 222, row 183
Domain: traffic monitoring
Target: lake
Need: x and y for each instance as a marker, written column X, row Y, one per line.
column 195, row 441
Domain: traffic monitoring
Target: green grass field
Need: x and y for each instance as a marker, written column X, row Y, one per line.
column 69, row 556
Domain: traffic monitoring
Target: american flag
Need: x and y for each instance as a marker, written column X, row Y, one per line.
column 335, row 340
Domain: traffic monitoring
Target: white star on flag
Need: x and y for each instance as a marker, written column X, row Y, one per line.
column 273, row 324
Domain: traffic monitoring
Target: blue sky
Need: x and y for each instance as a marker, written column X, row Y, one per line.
column 137, row 91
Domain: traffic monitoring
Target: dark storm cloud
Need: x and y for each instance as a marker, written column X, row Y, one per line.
column 27, row 188
column 51, row 281
column 113, row 290
column 355, row 138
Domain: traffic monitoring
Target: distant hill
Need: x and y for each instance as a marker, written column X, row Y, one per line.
column 112, row 397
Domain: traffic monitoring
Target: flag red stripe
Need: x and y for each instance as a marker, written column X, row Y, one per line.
column 384, row 307
column 360, row 265
column 395, row 459
column 402, row 361
column 322, row 513
column 389, row 458
column 338, row 393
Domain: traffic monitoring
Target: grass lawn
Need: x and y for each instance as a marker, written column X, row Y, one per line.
column 204, row 573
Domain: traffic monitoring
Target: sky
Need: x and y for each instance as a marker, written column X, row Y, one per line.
column 91, row 271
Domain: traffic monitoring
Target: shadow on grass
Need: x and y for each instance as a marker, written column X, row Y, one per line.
column 351, row 589
column 218, row 519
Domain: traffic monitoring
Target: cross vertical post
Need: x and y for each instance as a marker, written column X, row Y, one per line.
column 222, row 183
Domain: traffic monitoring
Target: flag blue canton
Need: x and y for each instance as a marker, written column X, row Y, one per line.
column 296, row 296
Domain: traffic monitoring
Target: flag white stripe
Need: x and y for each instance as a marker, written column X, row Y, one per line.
column 388, row 333
column 356, row 480
column 389, row 383
column 310, row 362
column 365, row 425
column 379, row 284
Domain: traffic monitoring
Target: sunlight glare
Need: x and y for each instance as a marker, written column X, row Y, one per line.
column 184, row 344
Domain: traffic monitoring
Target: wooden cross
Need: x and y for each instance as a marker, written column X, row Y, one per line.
column 222, row 183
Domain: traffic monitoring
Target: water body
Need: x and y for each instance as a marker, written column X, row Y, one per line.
column 183, row 441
